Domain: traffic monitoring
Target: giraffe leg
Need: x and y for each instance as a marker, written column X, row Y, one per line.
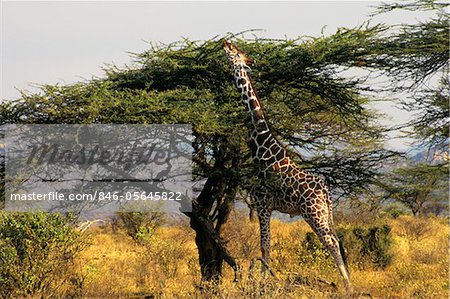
column 336, row 252
column 330, row 240
column 264, row 228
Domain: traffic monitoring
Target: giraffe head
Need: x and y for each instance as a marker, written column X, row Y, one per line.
column 236, row 56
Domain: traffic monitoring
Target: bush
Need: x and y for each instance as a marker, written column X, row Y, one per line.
column 141, row 225
column 415, row 228
column 394, row 211
column 242, row 236
column 36, row 251
column 375, row 243
column 315, row 255
column 364, row 247
column 313, row 245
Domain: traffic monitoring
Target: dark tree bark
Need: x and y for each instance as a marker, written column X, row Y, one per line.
column 218, row 193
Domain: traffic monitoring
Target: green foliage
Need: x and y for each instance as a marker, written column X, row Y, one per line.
column 2, row 183
column 315, row 254
column 412, row 5
column 393, row 211
column 421, row 187
column 365, row 247
column 141, row 225
column 36, row 253
column 431, row 115
column 416, row 52
column 375, row 243
column 416, row 56
column 310, row 107
column 312, row 243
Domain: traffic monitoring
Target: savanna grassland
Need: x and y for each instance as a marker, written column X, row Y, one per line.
column 320, row 94
column 414, row 263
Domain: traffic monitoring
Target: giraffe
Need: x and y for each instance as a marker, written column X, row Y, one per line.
column 283, row 186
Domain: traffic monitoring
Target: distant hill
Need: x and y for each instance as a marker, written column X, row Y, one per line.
column 433, row 155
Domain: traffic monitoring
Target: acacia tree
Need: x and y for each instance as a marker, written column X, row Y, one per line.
column 417, row 59
column 315, row 111
column 421, row 187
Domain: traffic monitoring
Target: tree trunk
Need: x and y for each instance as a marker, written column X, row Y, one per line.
column 211, row 248
column 209, row 256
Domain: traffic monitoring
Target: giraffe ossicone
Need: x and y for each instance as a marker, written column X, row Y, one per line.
column 282, row 186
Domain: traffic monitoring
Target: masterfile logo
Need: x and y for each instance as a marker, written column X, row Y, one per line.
column 88, row 167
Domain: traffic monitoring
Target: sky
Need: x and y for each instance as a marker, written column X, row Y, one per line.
column 65, row 42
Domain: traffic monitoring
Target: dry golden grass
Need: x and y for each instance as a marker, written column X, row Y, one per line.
column 114, row 266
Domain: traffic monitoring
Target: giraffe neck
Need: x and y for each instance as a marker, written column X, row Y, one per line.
column 250, row 100
column 263, row 144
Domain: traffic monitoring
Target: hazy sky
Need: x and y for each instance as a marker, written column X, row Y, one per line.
column 50, row 42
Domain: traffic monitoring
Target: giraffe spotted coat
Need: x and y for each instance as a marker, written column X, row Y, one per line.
column 283, row 186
